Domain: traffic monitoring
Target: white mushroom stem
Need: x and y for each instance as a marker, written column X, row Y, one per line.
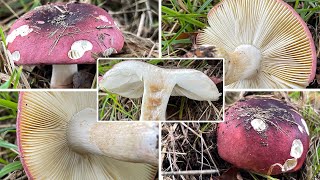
column 134, row 79
column 158, row 87
column 243, row 63
column 62, row 75
column 133, row 142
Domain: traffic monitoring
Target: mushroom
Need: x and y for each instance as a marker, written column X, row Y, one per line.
column 58, row 137
column 266, row 44
column 134, row 79
column 264, row 135
column 63, row 34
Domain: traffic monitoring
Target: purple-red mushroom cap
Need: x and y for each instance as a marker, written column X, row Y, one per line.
column 263, row 135
column 63, row 33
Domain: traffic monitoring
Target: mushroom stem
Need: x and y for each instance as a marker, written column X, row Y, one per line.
column 62, row 75
column 156, row 95
column 243, row 63
column 134, row 142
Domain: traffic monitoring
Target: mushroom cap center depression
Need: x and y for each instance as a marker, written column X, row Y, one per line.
column 243, row 63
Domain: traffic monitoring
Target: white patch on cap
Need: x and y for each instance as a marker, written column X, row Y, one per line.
column 305, row 126
column 103, row 18
column 258, row 125
column 78, row 49
column 296, row 148
column 15, row 56
column 117, row 26
column 300, row 128
column 40, row 22
column 20, row 31
column 288, row 165
column 109, row 51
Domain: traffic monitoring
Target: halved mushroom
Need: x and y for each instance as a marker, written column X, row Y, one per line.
column 59, row 138
column 266, row 44
column 134, row 79
column 264, row 135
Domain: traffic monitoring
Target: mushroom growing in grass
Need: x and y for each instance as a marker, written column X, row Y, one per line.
column 59, row 138
column 135, row 79
column 266, row 44
column 63, row 34
column 264, row 135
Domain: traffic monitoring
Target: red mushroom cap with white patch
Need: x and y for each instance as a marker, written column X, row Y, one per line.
column 264, row 135
column 63, row 33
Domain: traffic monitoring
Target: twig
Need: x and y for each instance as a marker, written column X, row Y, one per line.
column 141, row 24
column 149, row 13
column 10, row 9
column 194, row 132
column 190, row 172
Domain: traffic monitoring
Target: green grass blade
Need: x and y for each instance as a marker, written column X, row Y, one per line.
column 106, row 98
column 204, row 5
column 17, row 78
column 174, row 37
column 185, row 15
column 3, row 38
column 180, row 41
column 8, row 104
column 119, row 107
column 6, row 144
column 184, row 18
column 10, row 168
column 2, row 118
column 8, row 129
column 7, row 84
column 2, row 161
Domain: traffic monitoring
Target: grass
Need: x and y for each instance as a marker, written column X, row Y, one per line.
column 188, row 146
column 13, row 82
column 138, row 20
column 114, row 107
column 180, row 21
column 10, row 166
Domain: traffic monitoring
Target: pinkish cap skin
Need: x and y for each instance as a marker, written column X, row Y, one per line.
column 303, row 24
column 18, row 123
column 246, row 148
column 100, row 78
column 51, row 30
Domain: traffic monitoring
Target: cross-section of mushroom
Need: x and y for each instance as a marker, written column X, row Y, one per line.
column 59, row 138
column 264, row 135
column 266, row 44
column 134, row 79
column 63, row 35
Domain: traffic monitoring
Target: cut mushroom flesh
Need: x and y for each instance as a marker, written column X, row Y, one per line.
column 135, row 79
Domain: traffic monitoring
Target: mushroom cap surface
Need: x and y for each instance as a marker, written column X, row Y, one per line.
column 264, row 135
column 283, row 42
column 42, row 128
column 63, row 33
